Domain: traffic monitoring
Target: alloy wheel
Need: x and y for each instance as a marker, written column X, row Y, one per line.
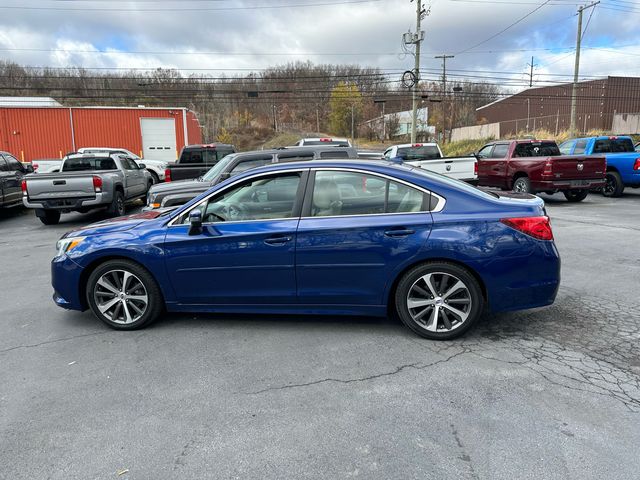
column 121, row 296
column 440, row 302
column 520, row 186
column 610, row 185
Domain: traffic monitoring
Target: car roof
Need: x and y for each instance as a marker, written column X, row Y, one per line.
column 207, row 145
column 293, row 150
column 417, row 144
column 90, row 155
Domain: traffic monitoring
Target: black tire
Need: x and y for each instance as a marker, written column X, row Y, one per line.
column 522, row 185
column 49, row 217
column 154, row 177
column 117, row 207
column 155, row 303
column 613, row 186
column 575, row 196
column 440, row 270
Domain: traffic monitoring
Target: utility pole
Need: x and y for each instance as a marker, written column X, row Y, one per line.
column 318, row 120
column 532, row 65
column 444, row 93
column 352, row 137
column 576, row 69
column 417, row 40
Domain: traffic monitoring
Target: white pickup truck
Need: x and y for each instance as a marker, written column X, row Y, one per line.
column 429, row 157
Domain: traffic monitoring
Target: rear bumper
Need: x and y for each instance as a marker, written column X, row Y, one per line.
column 99, row 200
column 65, row 280
column 575, row 184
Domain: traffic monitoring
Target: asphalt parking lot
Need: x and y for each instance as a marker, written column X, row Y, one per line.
column 549, row 393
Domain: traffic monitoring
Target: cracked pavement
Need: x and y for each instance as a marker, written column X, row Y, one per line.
column 548, row 393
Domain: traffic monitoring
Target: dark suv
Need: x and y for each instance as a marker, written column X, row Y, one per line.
column 179, row 193
column 195, row 160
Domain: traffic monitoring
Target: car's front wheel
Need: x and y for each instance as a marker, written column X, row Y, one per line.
column 124, row 295
column 439, row 300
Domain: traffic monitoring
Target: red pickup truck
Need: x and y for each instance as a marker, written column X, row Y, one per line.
column 531, row 166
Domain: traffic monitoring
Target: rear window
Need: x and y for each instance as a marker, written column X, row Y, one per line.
column 338, row 154
column 536, row 149
column 613, row 145
column 333, row 143
column 82, row 164
column 424, row 152
column 292, row 157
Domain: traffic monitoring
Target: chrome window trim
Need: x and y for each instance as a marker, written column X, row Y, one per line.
column 438, row 208
column 231, row 185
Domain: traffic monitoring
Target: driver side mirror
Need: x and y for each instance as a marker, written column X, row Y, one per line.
column 141, row 166
column 195, row 222
column 28, row 168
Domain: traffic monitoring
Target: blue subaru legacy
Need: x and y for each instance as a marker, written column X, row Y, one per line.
column 327, row 237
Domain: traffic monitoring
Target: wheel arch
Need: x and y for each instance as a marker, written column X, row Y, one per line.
column 612, row 169
column 394, row 285
column 90, row 268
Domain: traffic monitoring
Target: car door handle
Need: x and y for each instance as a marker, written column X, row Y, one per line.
column 401, row 232
column 277, row 240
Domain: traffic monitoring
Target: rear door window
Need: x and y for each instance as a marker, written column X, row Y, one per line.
column 500, row 150
column 581, row 146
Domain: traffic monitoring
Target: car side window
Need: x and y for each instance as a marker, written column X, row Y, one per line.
column 565, row 148
column 485, row 151
column 3, row 164
column 500, row 150
column 249, row 164
column 263, row 198
column 13, row 164
column 295, row 156
column 350, row 193
column 387, row 153
column 126, row 163
column 581, row 146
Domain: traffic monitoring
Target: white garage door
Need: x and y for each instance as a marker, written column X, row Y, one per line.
column 159, row 138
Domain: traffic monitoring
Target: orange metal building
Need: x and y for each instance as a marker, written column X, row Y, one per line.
column 50, row 132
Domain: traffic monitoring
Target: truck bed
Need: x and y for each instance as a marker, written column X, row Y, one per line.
column 460, row 168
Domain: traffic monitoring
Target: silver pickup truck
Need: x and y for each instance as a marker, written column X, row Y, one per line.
column 86, row 182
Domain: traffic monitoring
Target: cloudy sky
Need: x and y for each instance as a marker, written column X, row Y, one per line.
column 209, row 36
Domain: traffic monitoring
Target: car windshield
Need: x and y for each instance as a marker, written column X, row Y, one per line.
column 218, row 168
column 422, row 152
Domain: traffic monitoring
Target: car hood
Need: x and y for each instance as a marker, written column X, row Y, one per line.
column 118, row 224
column 178, row 186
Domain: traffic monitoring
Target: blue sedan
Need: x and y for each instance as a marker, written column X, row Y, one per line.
column 326, row 237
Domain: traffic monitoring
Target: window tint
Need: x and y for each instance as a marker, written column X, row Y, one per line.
column 613, row 145
column 3, row 165
column 192, row 157
column 295, row 156
column 500, row 150
column 536, row 149
column 258, row 199
column 485, row 151
column 81, row 164
column 581, row 146
column 128, row 164
column 13, row 164
column 249, row 164
column 351, row 193
column 565, row 148
column 423, row 152
column 338, row 154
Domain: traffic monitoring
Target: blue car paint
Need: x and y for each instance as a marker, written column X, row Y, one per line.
column 339, row 265
column 621, row 162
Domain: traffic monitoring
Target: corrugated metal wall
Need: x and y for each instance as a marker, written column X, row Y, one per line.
column 549, row 108
column 32, row 133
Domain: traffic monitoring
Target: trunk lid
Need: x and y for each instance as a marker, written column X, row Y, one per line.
column 59, row 186
column 577, row 167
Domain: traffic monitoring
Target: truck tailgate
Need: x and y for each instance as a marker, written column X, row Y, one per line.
column 460, row 168
column 578, row 167
column 59, row 186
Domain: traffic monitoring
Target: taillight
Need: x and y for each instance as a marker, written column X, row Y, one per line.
column 35, row 166
column 417, row 145
column 97, row 184
column 23, row 186
column 548, row 169
column 167, row 175
column 536, row 227
column 475, row 168
column 636, row 165
column 325, row 139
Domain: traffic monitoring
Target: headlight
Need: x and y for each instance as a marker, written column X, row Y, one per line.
column 65, row 245
column 151, row 200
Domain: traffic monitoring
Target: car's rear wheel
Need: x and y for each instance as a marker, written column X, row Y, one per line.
column 575, row 195
column 124, row 295
column 439, row 300
column 613, row 186
column 522, row 185
column 49, row 217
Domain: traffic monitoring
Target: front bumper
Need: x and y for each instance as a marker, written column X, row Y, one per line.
column 65, row 280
